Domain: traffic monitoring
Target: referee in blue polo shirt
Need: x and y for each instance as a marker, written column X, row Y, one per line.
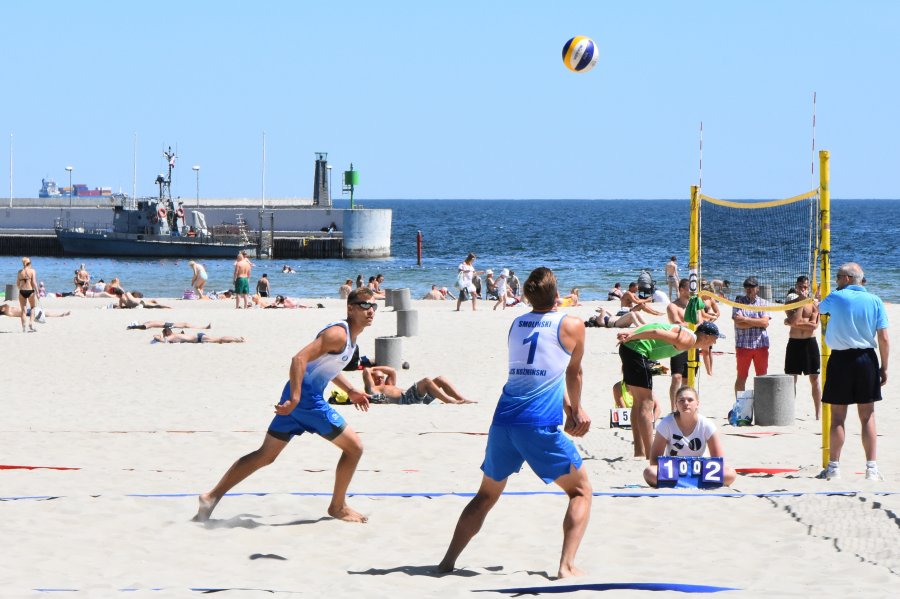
column 853, row 375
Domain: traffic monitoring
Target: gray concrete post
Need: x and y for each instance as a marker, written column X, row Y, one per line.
column 407, row 323
column 401, row 299
column 389, row 351
column 773, row 400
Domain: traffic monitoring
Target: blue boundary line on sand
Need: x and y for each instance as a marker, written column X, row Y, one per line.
column 611, row 586
column 472, row 494
column 569, row 588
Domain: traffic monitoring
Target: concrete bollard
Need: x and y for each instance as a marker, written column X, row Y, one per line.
column 389, row 351
column 773, row 400
column 388, row 297
column 11, row 293
column 407, row 323
column 401, row 299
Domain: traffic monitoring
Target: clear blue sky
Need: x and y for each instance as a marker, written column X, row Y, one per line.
column 462, row 99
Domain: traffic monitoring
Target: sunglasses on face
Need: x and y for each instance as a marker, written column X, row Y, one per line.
column 366, row 305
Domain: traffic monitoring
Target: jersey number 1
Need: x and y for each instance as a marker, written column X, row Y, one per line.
column 532, row 339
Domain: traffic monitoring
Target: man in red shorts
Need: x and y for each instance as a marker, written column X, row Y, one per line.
column 751, row 339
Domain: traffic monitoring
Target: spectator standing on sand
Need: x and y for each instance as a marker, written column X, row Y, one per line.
column 672, row 277
column 262, row 286
column 241, row 276
column 802, row 353
column 465, row 273
column 751, row 337
column 198, row 281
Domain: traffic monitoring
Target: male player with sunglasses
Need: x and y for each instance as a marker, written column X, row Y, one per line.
column 304, row 409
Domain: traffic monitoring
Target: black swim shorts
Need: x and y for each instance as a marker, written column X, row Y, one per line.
column 636, row 369
column 802, row 357
column 852, row 377
column 679, row 364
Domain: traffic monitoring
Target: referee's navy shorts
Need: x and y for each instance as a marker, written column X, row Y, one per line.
column 852, row 377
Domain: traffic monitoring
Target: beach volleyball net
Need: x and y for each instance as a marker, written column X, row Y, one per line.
column 773, row 241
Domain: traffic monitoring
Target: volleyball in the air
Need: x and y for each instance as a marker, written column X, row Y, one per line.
column 580, row 54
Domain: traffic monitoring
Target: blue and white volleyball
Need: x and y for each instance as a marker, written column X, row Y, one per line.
column 580, row 54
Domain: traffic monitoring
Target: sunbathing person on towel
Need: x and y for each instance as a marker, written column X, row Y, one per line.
column 169, row 336
column 380, row 383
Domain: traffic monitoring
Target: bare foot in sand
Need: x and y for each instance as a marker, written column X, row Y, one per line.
column 207, row 505
column 346, row 514
column 568, row 572
column 443, row 568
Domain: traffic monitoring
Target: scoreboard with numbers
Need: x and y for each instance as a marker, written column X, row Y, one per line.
column 690, row 472
column 620, row 418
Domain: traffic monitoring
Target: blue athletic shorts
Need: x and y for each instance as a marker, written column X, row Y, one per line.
column 322, row 420
column 547, row 450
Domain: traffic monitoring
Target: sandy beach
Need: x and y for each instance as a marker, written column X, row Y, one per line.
column 125, row 434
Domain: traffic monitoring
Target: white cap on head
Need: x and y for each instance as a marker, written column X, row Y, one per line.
column 505, row 272
column 489, row 271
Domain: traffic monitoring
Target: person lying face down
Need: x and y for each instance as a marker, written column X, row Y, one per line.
column 169, row 336
column 16, row 312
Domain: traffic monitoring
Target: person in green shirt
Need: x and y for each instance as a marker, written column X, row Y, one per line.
column 638, row 350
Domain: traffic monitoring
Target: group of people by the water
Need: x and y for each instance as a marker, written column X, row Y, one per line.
column 373, row 284
column 503, row 289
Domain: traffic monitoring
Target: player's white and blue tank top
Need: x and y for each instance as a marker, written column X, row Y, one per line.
column 320, row 371
column 533, row 394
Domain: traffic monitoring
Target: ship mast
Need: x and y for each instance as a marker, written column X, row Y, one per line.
column 170, row 159
column 165, row 183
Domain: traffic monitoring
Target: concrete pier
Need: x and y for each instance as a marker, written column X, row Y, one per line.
column 297, row 225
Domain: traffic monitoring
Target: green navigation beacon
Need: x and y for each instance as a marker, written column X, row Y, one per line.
column 351, row 180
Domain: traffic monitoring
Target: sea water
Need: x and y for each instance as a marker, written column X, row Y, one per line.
column 590, row 244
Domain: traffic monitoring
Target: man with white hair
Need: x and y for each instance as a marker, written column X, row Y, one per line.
column 853, row 374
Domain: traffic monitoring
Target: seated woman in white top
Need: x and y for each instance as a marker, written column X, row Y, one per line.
column 685, row 432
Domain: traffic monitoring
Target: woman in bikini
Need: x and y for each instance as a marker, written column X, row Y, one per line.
column 200, row 277
column 26, row 281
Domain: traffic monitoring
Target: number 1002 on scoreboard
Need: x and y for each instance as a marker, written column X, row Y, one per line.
column 699, row 472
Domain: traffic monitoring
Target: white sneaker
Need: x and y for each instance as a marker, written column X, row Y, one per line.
column 830, row 473
column 873, row 474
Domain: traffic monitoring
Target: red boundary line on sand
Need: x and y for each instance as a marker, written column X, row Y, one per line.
column 765, row 470
column 9, row 467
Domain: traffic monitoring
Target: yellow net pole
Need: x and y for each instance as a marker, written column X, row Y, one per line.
column 825, row 286
column 694, row 270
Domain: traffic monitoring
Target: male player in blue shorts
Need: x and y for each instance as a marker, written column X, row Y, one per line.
column 545, row 351
column 303, row 409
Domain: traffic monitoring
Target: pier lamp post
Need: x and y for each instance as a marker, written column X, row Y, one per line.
column 329, row 185
column 71, row 191
column 196, row 168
